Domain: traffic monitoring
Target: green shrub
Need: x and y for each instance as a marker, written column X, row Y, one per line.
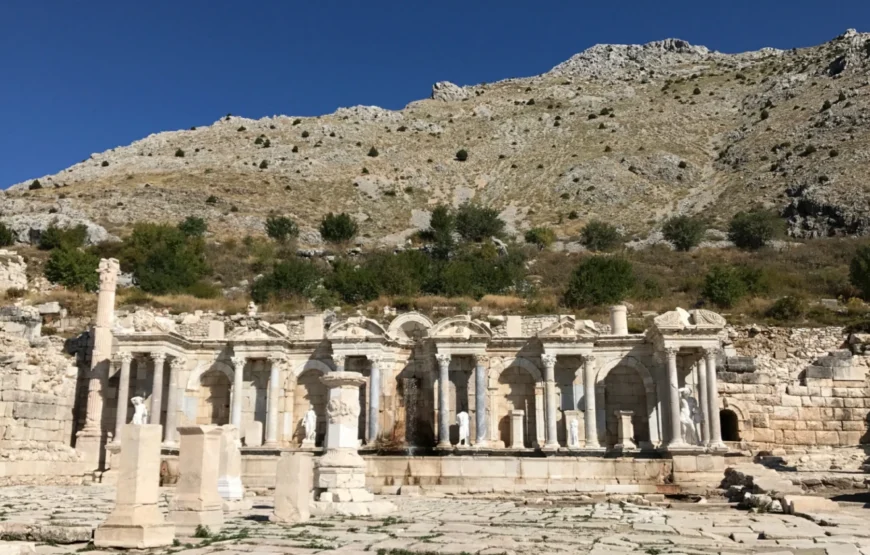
column 163, row 259
column 478, row 270
column 204, row 290
column 73, row 268
column 338, row 228
column 786, row 309
column 179, row 153
column 373, row 152
column 723, row 286
column 34, row 185
column 543, row 237
column 291, row 278
column 354, row 284
column 7, row 237
column 599, row 280
column 462, row 155
column 281, row 228
column 15, row 293
column 211, row 200
column 754, row 229
column 202, row 531
column 305, row 134
column 399, row 274
column 859, row 271
column 105, row 164
column 442, row 224
column 476, row 223
column 264, row 164
column 193, row 226
column 684, row 232
column 600, row 236
column 54, row 237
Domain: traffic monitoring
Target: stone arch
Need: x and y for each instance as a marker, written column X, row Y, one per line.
column 623, row 371
column 522, row 362
column 309, row 365
column 631, row 361
column 744, row 422
column 517, row 384
column 307, row 391
column 194, row 380
column 409, row 326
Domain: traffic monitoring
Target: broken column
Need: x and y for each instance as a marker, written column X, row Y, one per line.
column 197, row 502
column 618, row 320
column 340, row 475
column 136, row 521
column 294, row 483
column 230, row 486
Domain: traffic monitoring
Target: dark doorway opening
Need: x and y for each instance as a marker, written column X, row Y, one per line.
column 729, row 424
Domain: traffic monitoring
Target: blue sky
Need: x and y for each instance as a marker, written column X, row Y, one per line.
column 86, row 76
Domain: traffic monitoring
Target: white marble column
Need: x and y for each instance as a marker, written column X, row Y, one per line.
column 702, row 400
column 238, row 383
column 591, row 418
column 339, row 362
column 273, row 402
column 676, row 439
column 713, row 400
column 480, row 392
column 374, row 404
column 159, row 359
column 124, row 358
column 549, row 361
column 443, row 402
column 170, row 432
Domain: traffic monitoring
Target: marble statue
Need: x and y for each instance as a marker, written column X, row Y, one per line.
column 574, row 433
column 462, row 421
column 309, row 423
column 252, row 309
column 688, row 416
column 140, row 411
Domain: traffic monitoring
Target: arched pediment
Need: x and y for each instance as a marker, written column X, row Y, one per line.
column 460, row 327
column 357, row 328
column 410, row 326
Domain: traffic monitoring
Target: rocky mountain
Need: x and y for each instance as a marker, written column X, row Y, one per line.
column 626, row 133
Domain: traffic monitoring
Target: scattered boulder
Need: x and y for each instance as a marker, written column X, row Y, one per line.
column 448, row 92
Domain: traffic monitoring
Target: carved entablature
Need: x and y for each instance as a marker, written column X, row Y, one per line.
column 357, row 329
column 459, row 328
column 259, row 332
column 569, row 329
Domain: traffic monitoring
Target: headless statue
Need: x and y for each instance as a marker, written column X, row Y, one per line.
column 462, row 421
column 688, row 410
column 140, row 411
column 309, row 423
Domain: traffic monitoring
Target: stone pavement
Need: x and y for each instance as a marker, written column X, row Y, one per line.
column 52, row 515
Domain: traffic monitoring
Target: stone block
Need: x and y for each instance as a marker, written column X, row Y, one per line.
column 807, row 504
column 253, row 432
column 136, row 521
column 827, row 438
column 215, row 329
column 197, row 501
column 293, row 486
column 850, row 437
column 230, row 468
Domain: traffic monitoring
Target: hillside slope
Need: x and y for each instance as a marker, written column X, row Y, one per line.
column 630, row 134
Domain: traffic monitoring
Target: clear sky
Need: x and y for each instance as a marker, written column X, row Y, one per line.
column 78, row 77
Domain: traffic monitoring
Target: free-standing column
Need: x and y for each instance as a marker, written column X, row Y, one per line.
column 480, row 433
column 674, row 399
column 713, row 400
column 374, row 404
column 170, row 432
column 238, row 381
column 443, row 403
column 589, row 395
column 123, row 393
column 702, row 399
column 157, row 387
column 550, row 404
column 273, row 401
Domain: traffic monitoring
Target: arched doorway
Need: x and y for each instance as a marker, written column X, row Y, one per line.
column 624, row 390
column 516, row 391
column 729, row 424
column 414, row 423
column 309, row 393
column 213, row 399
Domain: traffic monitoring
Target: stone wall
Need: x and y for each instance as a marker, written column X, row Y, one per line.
column 37, row 395
column 806, row 389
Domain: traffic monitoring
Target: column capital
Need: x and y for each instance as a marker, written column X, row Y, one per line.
column 339, row 359
column 278, row 359
column 376, row 360
column 710, row 352
column 177, row 363
column 443, row 359
column 671, row 351
column 548, row 360
column 238, row 361
column 589, row 359
column 158, row 356
column 125, row 357
column 481, row 359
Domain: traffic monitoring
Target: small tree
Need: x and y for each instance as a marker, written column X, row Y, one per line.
column 264, row 164
column 211, row 200
column 373, row 152
column 179, row 153
column 753, row 230
column 723, row 286
column 338, row 228
column 35, row 184
column 859, row 271
column 73, row 268
column 462, row 155
column 294, row 277
column 543, row 237
column 7, row 237
column 54, row 237
column 599, row 280
column 600, row 236
column 786, row 309
column 442, row 224
column 476, row 223
column 281, row 228
column 684, row 232
column 193, row 226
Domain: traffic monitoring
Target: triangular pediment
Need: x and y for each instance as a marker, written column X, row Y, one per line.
column 460, row 327
column 568, row 327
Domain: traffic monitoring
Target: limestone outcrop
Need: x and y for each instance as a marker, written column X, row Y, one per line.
column 13, row 271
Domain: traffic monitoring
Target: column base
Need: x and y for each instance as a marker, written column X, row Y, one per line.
column 186, row 522
column 271, row 444
column 446, row 445
column 718, row 448
column 172, row 444
column 550, row 447
column 132, row 536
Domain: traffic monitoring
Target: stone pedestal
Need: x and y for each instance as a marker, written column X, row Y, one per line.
column 624, row 429
column 197, row 501
column 308, row 444
column 294, row 483
column 253, row 434
column 340, row 474
column 136, row 521
column 517, row 429
column 229, row 483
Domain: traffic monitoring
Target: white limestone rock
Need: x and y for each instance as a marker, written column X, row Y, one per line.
column 28, row 227
column 448, row 92
column 13, row 271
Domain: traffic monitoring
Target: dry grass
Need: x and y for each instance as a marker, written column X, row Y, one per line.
column 180, row 303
